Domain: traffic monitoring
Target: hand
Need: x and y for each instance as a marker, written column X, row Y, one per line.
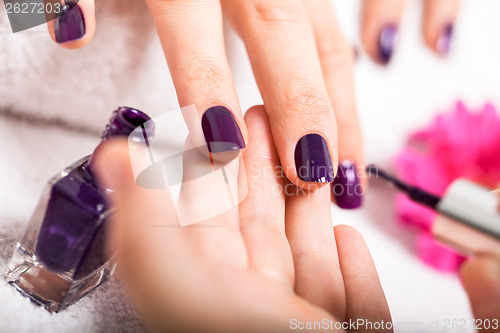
column 272, row 260
column 481, row 280
column 381, row 19
column 302, row 64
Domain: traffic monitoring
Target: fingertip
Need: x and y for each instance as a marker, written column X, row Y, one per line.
column 315, row 165
column 438, row 25
column 481, row 268
column 259, row 126
column 439, row 38
column 256, row 113
column 224, row 130
column 347, row 231
column 349, row 185
column 75, row 27
column 111, row 161
column 380, row 28
column 481, row 280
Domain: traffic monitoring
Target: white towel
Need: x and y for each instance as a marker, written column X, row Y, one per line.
column 123, row 65
column 53, row 105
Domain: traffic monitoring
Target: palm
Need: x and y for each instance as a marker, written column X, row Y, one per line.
column 272, row 259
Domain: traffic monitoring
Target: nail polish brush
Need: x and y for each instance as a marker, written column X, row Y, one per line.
column 469, row 217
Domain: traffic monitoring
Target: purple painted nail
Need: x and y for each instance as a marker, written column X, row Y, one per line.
column 347, row 188
column 387, row 42
column 312, row 159
column 221, row 130
column 443, row 45
column 70, row 25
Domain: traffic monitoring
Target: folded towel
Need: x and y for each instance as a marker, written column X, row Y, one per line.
column 32, row 154
column 122, row 65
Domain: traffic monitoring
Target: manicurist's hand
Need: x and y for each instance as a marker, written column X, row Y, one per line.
column 481, row 280
column 381, row 19
column 272, row 264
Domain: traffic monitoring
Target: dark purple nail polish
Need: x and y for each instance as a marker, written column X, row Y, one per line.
column 70, row 24
column 443, row 46
column 346, row 187
column 221, row 130
column 312, row 159
column 387, row 42
column 63, row 254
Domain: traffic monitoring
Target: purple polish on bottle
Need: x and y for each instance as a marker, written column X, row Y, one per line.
column 76, row 204
column 70, row 245
column 71, row 220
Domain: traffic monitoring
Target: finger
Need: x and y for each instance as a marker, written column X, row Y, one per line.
column 379, row 30
column 282, row 50
column 262, row 213
column 75, row 26
column 152, row 253
column 481, row 280
column 439, row 17
column 208, row 207
column 309, row 230
column 337, row 63
column 364, row 294
column 192, row 38
column 137, row 208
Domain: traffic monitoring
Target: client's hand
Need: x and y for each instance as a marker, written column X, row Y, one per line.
column 269, row 265
column 381, row 19
column 481, row 280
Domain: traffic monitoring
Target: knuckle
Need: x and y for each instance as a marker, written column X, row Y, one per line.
column 303, row 98
column 361, row 276
column 317, row 254
column 207, row 74
column 276, row 12
column 335, row 50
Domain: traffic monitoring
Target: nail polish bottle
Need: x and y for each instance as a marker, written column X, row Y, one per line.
column 63, row 254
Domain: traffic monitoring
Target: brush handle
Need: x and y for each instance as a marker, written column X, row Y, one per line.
column 473, row 205
column 469, row 220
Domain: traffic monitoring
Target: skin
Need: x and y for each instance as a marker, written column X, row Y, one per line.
column 274, row 258
column 481, row 280
column 303, row 36
column 302, row 63
column 266, row 261
column 377, row 13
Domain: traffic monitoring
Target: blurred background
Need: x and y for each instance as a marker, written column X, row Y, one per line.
column 54, row 103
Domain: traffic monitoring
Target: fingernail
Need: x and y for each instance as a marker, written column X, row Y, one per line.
column 443, row 46
column 221, row 130
column 346, row 187
column 70, row 25
column 312, row 159
column 387, row 42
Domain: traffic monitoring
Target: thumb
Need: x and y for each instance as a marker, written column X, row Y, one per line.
column 481, row 280
column 112, row 163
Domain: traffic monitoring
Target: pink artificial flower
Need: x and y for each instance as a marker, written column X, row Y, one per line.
column 459, row 144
